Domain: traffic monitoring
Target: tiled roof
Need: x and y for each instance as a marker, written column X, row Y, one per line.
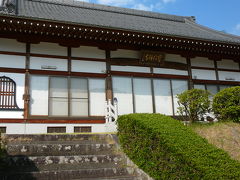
column 71, row 11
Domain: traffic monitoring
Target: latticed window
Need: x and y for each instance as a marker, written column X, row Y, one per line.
column 8, row 94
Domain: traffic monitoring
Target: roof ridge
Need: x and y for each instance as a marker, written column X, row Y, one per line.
column 205, row 28
column 119, row 10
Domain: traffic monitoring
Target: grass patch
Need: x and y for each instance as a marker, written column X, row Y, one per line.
column 224, row 135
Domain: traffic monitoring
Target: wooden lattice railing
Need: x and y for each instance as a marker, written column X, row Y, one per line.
column 8, row 94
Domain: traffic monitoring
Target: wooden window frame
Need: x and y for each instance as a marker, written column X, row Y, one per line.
column 56, row 129
column 80, row 129
column 68, row 98
column 152, row 91
column 67, row 118
column 8, row 92
column 3, row 129
column 217, row 85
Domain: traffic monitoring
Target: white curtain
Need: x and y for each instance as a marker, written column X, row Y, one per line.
column 142, row 95
column 163, row 97
column 122, row 90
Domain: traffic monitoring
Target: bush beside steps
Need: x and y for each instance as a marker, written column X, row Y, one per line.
column 166, row 149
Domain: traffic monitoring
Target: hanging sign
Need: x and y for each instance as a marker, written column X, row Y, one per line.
column 152, row 58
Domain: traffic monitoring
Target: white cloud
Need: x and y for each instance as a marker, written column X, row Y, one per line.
column 236, row 30
column 168, row 1
column 115, row 2
column 237, row 27
column 143, row 7
column 136, row 4
column 83, row 0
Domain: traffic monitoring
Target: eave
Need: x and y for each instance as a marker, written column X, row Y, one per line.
column 74, row 35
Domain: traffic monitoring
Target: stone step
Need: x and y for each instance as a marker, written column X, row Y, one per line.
column 56, row 142
column 60, row 149
column 66, row 157
column 57, row 167
column 46, row 160
column 71, row 174
column 114, row 178
column 54, row 137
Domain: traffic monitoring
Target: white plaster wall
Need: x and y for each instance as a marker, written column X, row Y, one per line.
column 38, row 62
column 49, row 49
column 37, row 128
column 122, row 53
column 14, row 128
column 203, row 74
column 88, row 52
column 20, row 83
column 88, row 66
column 175, row 58
column 11, row 61
column 11, row 114
column 228, row 64
column 131, row 69
column 229, row 76
column 202, row 62
column 169, row 71
column 97, row 97
column 12, row 45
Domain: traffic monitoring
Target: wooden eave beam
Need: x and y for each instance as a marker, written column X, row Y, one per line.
column 150, row 36
column 142, row 39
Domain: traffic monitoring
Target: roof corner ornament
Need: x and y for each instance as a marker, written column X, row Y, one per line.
column 8, row 6
column 193, row 18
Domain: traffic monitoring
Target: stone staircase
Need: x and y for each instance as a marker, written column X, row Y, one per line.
column 65, row 157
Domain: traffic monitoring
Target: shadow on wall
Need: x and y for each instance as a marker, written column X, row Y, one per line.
column 16, row 167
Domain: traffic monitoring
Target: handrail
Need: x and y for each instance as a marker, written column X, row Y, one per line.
column 111, row 110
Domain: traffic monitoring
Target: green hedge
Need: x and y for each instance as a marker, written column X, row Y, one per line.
column 226, row 104
column 166, row 149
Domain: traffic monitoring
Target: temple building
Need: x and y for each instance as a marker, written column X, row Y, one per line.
column 61, row 60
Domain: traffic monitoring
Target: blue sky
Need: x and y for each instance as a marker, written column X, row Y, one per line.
column 222, row 15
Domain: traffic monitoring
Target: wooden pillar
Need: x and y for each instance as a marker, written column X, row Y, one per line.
column 69, row 68
column 153, row 93
column 189, row 68
column 69, row 54
column 217, row 75
column 26, row 96
column 109, row 92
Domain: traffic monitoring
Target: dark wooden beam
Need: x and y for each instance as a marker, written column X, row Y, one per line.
column 26, row 96
column 200, row 81
column 189, row 68
column 216, row 72
column 109, row 91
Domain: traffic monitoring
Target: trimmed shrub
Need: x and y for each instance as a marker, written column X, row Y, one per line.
column 166, row 149
column 193, row 104
column 226, row 104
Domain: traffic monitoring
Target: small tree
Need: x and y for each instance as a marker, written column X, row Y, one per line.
column 226, row 104
column 193, row 104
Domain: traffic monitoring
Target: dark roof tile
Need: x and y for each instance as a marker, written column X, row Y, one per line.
column 120, row 18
